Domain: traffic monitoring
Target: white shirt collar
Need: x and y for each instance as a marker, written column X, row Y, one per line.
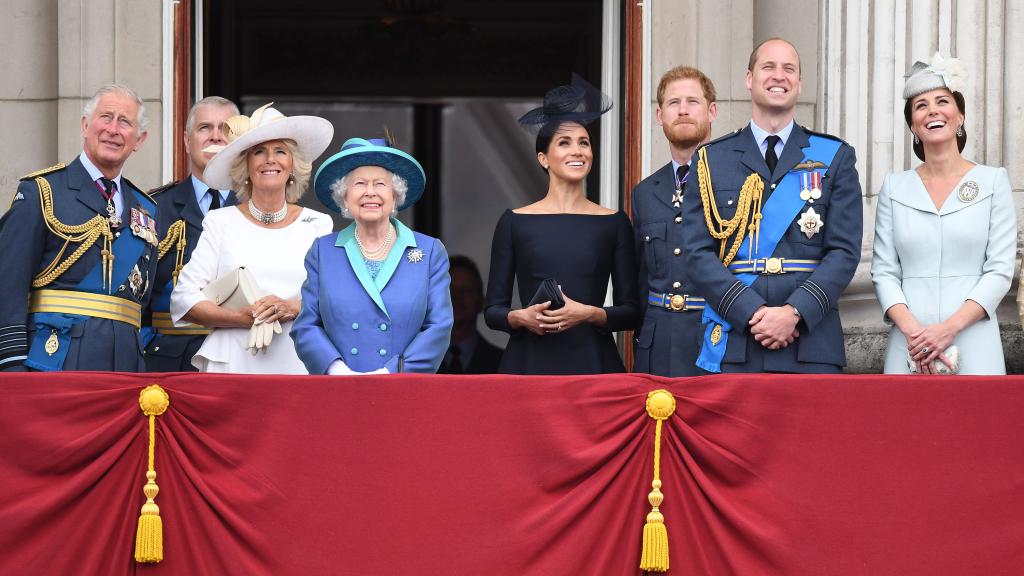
column 95, row 172
column 761, row 135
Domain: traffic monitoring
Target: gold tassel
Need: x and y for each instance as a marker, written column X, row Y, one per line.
column 149, row 538
column 654, row 555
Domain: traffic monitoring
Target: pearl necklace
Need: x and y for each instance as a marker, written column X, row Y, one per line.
column 268, row 217
column 379, row 252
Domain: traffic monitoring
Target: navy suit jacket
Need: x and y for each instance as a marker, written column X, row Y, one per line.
column 667, row 342
column 731, row 159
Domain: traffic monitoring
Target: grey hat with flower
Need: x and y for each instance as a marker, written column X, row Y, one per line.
column 941, row 72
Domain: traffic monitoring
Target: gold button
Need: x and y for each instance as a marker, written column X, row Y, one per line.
column 677, row 251
column 679, row 219
column 676, row 285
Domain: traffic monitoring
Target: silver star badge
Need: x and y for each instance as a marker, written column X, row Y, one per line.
column 415, row 255
column 677, row 198
column 810, row 223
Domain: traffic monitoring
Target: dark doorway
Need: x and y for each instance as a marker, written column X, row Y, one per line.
column 427, row 55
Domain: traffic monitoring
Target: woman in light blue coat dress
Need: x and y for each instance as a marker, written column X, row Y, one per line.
column 376, row 295
column 945, row 238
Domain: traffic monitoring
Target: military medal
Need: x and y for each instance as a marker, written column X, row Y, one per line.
column 135, row 281
column 968, row 191
column 810, row 186
column 415, row 255
column 52, row 344
column 677, row 197
column 112, row 216
column 810, row 223
column 143, row 226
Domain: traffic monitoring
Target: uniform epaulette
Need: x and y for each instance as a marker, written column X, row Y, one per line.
column 823, row 135
column 132, row 184
column 44, row 171
column 722, row 138
column 163, row 188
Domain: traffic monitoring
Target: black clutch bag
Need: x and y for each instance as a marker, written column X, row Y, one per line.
column 548, row 291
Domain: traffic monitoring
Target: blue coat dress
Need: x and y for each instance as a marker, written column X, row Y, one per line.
column 406, row 312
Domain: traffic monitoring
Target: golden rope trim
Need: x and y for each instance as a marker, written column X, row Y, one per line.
column 748, row 207
column 149, row 537
column 654, row 554
column 175, row 238
column 85, row 235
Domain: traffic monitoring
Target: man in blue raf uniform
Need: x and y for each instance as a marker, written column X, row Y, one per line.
column 183, row 205
column 669, row 339
column 79, row 246
column 772, row 232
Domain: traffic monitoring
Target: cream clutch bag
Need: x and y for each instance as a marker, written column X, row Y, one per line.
column 953, row 353
column 234, row 290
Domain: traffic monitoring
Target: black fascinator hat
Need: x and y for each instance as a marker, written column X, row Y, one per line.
column 578, row 102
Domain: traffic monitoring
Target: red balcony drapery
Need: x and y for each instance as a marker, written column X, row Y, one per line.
column 851, row 475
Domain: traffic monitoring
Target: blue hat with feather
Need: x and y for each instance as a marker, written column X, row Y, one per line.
column 356, row 152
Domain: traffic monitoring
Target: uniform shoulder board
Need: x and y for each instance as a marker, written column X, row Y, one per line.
column 823, row 135
column 44, row 171
column 132, row 184
column 163, row 188
column 725, row 137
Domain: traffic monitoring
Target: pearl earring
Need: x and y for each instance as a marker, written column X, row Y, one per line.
column 916, row 139
column 960, row 131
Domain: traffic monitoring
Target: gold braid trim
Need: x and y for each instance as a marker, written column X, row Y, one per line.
column 748, row 208
column 175, row 238
column 85, row 235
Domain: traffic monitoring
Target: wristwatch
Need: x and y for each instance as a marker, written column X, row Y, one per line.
column 796, row 312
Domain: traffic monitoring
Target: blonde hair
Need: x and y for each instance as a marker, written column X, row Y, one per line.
column 296, row 187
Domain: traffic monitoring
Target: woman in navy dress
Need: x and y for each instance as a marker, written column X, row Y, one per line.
column 570, row 239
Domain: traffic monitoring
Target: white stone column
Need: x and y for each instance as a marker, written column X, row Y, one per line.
column 103, row 41
column 28, row 94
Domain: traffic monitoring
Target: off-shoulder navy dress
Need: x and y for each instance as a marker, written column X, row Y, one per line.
column 581, row 252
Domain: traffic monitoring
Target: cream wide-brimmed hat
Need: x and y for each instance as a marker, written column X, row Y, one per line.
column 312, row 134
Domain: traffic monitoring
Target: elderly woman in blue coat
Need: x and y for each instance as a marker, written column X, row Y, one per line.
column 376, row 295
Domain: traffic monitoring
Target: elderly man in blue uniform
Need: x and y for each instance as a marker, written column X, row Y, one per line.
column 772, row 232
column 669, row 339
column 183, row 205
column 80, row 245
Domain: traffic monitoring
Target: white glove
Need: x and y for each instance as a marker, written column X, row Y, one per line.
column 261, row 335
column 339, row 368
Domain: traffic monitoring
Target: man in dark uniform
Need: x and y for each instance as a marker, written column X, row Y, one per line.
column 79, row 251
column 183, row 205
column 772, row 232
column 669, row 339
column 470, row 352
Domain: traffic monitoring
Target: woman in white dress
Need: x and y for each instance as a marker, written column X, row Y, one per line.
column 267, row 162
column 945, row 238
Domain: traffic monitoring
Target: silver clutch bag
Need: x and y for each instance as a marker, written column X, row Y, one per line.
column 234, row 290
column 953, row 353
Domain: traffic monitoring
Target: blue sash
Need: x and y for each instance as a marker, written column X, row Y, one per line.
column 127, row 250
column 777, row 215
column 160, row 304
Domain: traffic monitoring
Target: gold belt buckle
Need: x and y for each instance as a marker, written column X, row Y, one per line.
column 677, row 302
column 773, row 266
